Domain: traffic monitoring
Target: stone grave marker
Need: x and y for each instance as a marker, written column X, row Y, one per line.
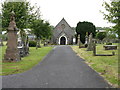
column 86, row 40
column 110, row 47
column 94, row 48
column 79, row 42
column 90, row 43
column 12, row 52
column 1, row 42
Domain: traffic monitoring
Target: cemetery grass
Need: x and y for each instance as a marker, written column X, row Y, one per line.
column 26, row 62
column 106, row 66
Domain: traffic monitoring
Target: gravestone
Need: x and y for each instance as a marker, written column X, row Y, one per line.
column 38, row 43
column 86, row 40
column 27, row 46
column 23, row 48
column 20, row 48
column 90, row 43
column 20, row 45
column 45, row 43
column 110, row 47
column 1, row 42
column 12, row 52
column 94, row 47
column 79, row 42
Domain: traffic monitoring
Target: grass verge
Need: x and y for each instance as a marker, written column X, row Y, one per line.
column 106, row 66
column 26, row 63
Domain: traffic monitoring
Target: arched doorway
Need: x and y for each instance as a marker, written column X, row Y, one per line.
column 62, row 40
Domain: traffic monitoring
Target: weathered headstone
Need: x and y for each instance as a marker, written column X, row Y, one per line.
column 12, row 53
column 45, row 43
column 79, row 42
column 20, row 45
column 86, row 40
column 38, row 43
column 27, row 46
column 110, row 47
column 23, row 47
column 1, row 42
column 94, row 48
column 90, row 43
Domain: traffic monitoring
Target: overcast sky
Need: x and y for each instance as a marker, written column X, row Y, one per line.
column 72, row 10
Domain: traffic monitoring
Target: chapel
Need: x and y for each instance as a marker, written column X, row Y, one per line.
column 63, row 34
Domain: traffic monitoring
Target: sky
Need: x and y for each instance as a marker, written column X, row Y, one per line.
column 73, row 11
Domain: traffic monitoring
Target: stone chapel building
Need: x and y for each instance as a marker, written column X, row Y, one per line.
column 63, row 34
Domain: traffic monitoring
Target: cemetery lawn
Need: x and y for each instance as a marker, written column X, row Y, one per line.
column 26, row 62
column 106, row 66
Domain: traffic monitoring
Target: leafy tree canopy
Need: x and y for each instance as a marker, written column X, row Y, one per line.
column 113, row 14
column 23, row 12
column 84, row 27
column 101, row 35
column 102, row 28
column 41, row 29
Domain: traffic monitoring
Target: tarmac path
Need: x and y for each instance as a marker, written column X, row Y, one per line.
column 61, row 68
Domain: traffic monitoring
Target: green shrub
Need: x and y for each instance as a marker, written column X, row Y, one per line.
column 32, row 43
column 109, row 43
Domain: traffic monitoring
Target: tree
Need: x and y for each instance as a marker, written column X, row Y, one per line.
column 103, row 28
column 46, row 30
column 22, row 11
column 111, row 35
column 24, row 14
column 41, row 29
column 113, row 14
column 101, row 35
column 35, row 26
column 1, row 43
column 83, row 27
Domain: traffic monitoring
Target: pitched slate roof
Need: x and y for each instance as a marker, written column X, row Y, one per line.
column 67, row 30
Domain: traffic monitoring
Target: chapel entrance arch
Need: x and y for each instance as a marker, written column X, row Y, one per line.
column 62, row 40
